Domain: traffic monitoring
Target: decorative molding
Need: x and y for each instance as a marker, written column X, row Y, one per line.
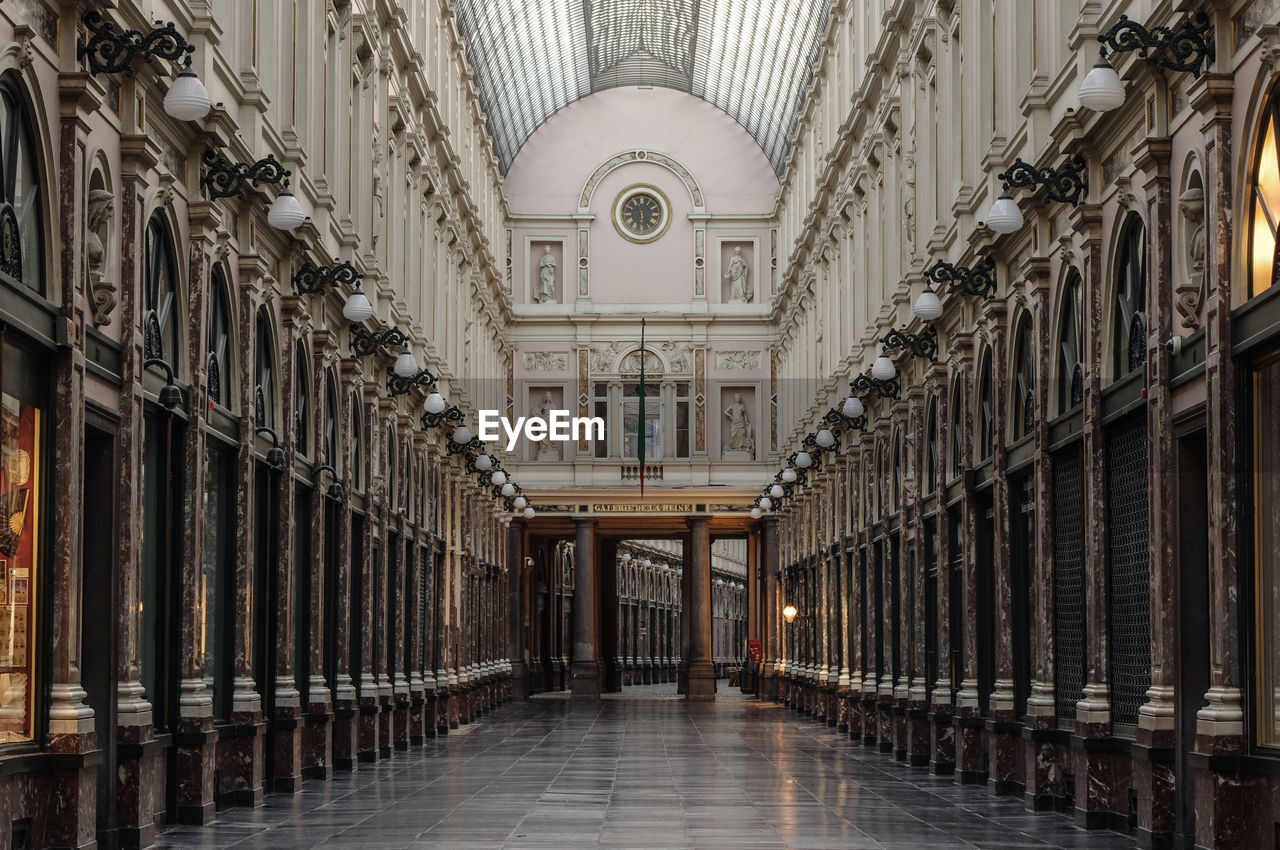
column 627, row 157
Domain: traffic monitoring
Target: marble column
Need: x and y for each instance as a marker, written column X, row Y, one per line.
column 702, row 674
column 769, row 609
column 585, row 674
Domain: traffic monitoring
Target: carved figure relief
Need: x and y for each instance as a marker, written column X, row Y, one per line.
column 731, row 361
column 547, row 450
column 738, row 276
column 1190, row 291
column 909, row 202
column 102, row 292
column 546, row 361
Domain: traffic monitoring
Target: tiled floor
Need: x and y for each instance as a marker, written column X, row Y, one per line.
column 643, row 773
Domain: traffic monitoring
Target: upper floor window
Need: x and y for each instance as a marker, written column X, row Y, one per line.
column 1129, row 325
column 160, row 323
column 1023, row 400
column 957, row 429
column 331, row 425
column 931, row 449
column 632, row 427
column 21, row 201
column 218, row 369
column 1264, row 204
column 301, row 401
column 986, row 413
column 1070, row 347
column 265, row 393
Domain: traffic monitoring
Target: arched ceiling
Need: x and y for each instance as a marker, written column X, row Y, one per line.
column 752, row 58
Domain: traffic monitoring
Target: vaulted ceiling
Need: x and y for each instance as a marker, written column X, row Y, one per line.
column 752, row 58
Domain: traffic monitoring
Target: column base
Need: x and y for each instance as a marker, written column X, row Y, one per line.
column 585, row 681
column 701, row 682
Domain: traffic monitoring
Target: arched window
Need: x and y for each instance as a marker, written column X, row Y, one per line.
column 1070, row 347
column 264, row 395
column 393, row 491
column 1129, row 327
column 898, row 471
column 957, row 429
column 1264, row 209
column 160, row 322
column 331, row 455
column 219, row 365
column 301, row 400
column 21, row 201
column 931, row 449
column 879, row 485
column 1022, row 399
column 986, row 413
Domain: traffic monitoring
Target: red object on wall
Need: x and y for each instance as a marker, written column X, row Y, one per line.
column 754, row 653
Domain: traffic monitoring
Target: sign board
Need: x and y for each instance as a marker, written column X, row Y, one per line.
column 643, row 508
column 754, row 652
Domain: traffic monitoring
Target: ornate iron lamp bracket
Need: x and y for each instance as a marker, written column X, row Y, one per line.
column 837, row 421
column 864, row 384
column 311, row 279
column 1187, row 48
column 923, row 344
column 1066, row 183
column 978, row 280
column 225, row 179
column 397, row 385
column 365, row 342
column 111, row 50
column 438, row 420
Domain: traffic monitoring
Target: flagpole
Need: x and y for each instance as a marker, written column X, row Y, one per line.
column 640, row 426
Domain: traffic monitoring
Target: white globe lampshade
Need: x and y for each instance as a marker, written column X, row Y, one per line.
column 852, row 407
column 484, row 463
column 498, row 478
column 626, row 557
column 765, row 503
column 508, row 490
column 187, row 99
column 285, row 213
column 1102, row 89
column 883, row 369
column 776, row 491
column 803, row 460
column 756, row 513
column 648, row 562
column 519, row 502
column 406, row 364
column 720, row 581
column 461, row 435
column 928, row 306
column 1005, row 217
column 789, row 475
column 528, row 513
column 357, row 308
column 825, row 438
column 434, row 403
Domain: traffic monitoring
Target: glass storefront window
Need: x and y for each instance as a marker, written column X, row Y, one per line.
column 213, row 641
column 1266, row 545
column 652, row 421
column 20, row 482
column 1265, row 206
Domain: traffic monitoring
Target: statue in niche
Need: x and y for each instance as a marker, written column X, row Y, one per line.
column 1190, row 293
column 102, row 293
column 546, row 293
column 737, row 275
column 741, row 441
column 546, row 448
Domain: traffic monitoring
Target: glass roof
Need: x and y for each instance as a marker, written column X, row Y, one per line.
column 752, row 58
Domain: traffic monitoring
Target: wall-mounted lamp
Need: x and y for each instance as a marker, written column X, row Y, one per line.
column 226, row 179
column 398, row 384
column 789, row 613
column 110, row 51
column 1187, row 48
column 1066, row 184
column 978, row 280
column 365, row 342
column 275, row 454
column 311, row 279
column 170, row 393
column 884, row 388
column 335, row 489
column 923, row 344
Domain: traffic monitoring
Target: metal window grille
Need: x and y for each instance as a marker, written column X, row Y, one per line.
column 1068, row 581
column 1129, row 578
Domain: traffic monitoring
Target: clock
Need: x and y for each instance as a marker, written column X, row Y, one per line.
column 641, row 214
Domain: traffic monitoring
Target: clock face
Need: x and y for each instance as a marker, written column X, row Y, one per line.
column 641, row 214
